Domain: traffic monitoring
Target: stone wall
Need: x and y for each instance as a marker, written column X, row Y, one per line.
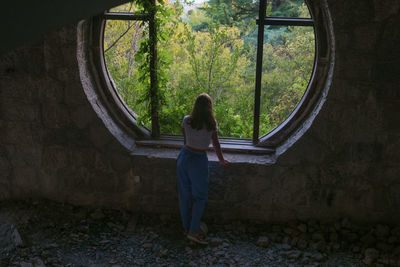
column 53, row 145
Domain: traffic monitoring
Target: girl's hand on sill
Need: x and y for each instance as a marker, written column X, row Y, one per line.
column 224, row 163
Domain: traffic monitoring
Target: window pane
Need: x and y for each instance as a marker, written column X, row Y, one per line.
column 121, row 42
column 211, row 47
column 287, row 8
column 214, row 58
column 288, row 60
column 129, row 7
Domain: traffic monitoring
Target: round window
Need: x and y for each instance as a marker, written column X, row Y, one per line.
column 265, row 64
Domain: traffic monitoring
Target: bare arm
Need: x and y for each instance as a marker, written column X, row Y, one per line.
column 217, row 147
column 184, row 136
column 184, row 141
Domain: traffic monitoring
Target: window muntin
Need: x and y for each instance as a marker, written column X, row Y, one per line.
column 264, row 126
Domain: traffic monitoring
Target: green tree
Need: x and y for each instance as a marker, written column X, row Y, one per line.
column 287, row 71
column 215, row 58
column 121, row 43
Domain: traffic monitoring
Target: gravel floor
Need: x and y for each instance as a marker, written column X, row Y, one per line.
column 53, row 234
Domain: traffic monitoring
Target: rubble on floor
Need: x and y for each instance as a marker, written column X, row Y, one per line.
column 45, row 233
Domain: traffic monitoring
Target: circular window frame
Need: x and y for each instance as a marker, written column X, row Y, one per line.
column 92, row 33
column 318, row 86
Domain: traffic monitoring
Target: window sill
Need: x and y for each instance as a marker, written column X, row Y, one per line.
column 235, row 150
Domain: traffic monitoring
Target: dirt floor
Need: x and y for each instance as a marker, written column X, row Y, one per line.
column 46, row 233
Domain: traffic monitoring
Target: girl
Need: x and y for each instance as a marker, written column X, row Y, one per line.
column 198, row 128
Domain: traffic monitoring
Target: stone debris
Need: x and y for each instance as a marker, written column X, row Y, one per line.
column 392, row 240
column 219, row 253
column 382, row 231
column 188, row 250
column 164, row 253
column 317, row 237
column 288, row 231
column 293, row 254
column 147, row 245
column 131, row 225
column 38, row 263
column 302, row 244
column 34, row 263
column 16, row 238
column 396, row 231
column 371, row 255
column 396, row 251
column 10, row 237
column 54, row 235
column 97, row 215
column 302, row 227
column 215, row 242
column 203, row 229
column 319, row 246
column 263, row 241
column 318, row 257
column 26, row 264
column 285, row 246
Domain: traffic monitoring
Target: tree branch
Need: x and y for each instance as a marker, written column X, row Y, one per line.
column 119, row 38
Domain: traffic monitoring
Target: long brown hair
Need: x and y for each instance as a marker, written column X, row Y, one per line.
column 202, row 115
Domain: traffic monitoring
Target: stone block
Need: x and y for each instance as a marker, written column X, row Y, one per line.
column 385, row 9
column 119, row 162
column 365, row 37
column 5, row 165
column 388, row 92
column 99, row 135
column 16, row 133
column 55, row 157
column 28, row 60
column 74, row 94
column 103, row 182
column 393, row 196
column 356, row 67
column 82, row 116
column 55, row 115
column 16, row 110
column 22, row 155
column 125, row 183
column 347, row 90
column 346, row 39
column 262, row 241
column 312, row 150
column 76, row 180
column 24, row 180
column 361, row 13
column 25, row 92
column 391, row 115
column 50, row 90
column 375, row 199
column 386, row 71
column 84, row 157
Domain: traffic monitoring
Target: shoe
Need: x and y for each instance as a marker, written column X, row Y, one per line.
column 196, row 238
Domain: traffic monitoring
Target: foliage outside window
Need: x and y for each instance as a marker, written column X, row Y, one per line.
column 211, row 47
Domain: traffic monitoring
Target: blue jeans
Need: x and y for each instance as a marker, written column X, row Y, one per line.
column 192, row 187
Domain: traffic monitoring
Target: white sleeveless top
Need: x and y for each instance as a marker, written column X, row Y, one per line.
column 198, row 139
